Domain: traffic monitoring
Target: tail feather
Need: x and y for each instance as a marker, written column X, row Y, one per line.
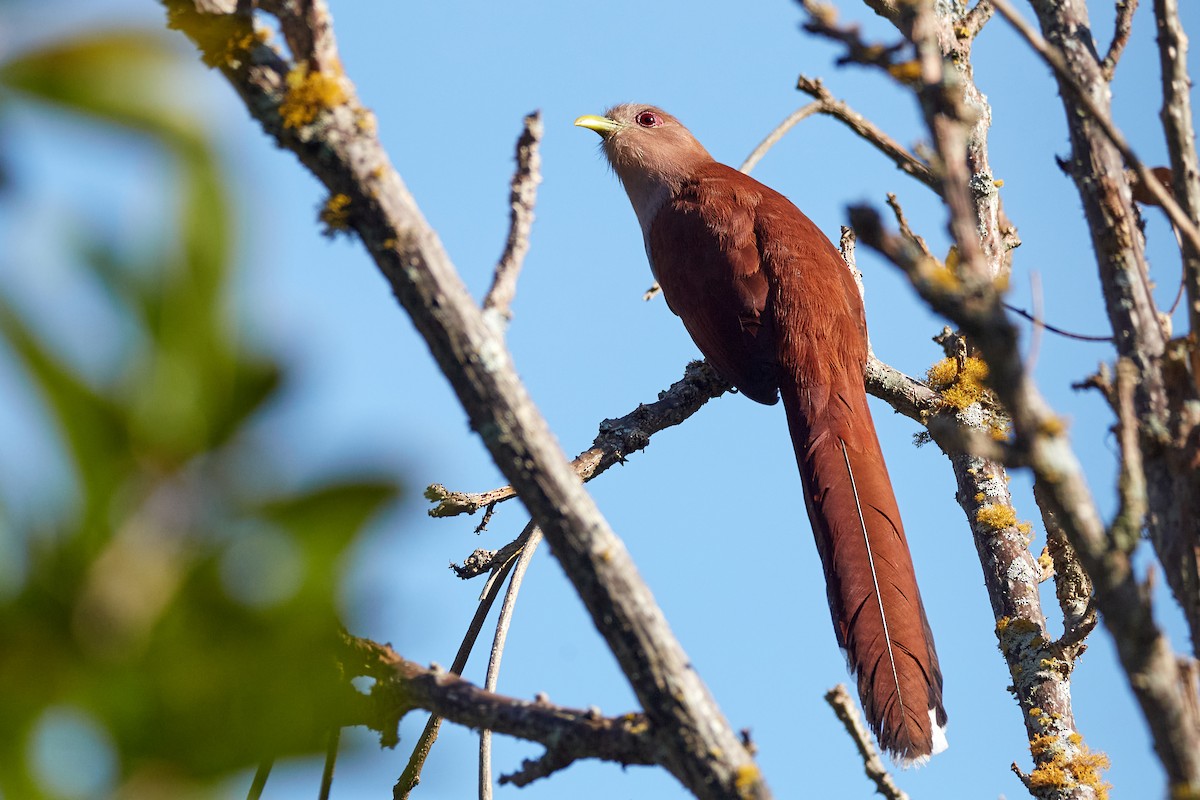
column 872, row 588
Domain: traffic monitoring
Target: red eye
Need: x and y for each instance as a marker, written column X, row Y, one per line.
column 648, row 119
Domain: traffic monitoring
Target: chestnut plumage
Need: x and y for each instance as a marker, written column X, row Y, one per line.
column 769, row 301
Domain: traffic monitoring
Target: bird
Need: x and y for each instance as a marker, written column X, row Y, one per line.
column 772, row 305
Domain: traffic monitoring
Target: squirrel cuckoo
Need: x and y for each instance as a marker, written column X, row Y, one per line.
column 769, row 301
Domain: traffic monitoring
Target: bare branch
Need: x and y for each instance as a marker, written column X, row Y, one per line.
column 843, row 706
column 1051, row 55
column 533, row 538
column 791, row 121
column 330, row 135
column 617, row 439
column 402, row 686
column 884, row 8
column 902, row 222
column 497, row 305
column 1041, row 323
column 416, row 761
column 1126, row 528
column 1145, row 652
column 1072, row 586
column 1123, row 28
column 974, row 20
column 1181, row 142
column 839, row 110
column 308, row 30
column 821, row 22
column 331, row 754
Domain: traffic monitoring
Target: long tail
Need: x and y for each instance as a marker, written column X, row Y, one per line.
column 873, row 596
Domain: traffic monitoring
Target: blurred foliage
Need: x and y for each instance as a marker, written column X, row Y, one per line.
column 177, row 619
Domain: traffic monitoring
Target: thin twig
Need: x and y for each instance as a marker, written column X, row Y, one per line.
column 1145, row 652
column 821, row 19
column 260, row 778
column 1122, row 29
column 493, row 669
column 331, row 754
column 1126, row 527
column 869, row 131
column 839, row 700
column 617, row 438
column 403, row 686
column 1039, row 313
column 1051, row 56
column 793, row 119
column 902, row 221
column 497, row 304
column 1181, row 143
column 1036, row 319
column 416, row 762
column 975, row 19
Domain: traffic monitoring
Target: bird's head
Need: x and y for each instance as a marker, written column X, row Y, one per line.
column 649, row 150
column 646, row 143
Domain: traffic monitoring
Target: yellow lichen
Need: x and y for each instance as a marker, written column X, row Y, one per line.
column 1058, row 768
column 980, row 497
column 309, row 93
column 1182, row 791
column 1035, row 712
column 953, row 259
column 1044, row 560
column 998, row 182
column 365, row 121
column 745, row 780
column 907, row 72
column 960, row 388
column 335, row 214
column 996, row 517
column 941, row 275
column 1016, row 625
column 1053, row 426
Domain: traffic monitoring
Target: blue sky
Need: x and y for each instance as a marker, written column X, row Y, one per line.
column 712, row 511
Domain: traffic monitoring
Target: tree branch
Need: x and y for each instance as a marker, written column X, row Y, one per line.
column 867, row 130
column 843, row 706
column 1145, row 652
column 533, row 538
column 1067, row 80
column 1181, row 144
column 497, row 305
column 402, row 686
column 411, row 776
column 1122, row 29
column 317, row 116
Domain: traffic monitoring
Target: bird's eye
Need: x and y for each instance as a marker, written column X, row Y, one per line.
column 648, row 119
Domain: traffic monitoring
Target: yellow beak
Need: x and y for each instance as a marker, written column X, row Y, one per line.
column 601, row 125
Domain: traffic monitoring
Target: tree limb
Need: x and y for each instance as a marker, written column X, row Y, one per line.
column 317, row 116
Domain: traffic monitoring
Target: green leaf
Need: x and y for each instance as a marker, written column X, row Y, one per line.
column 93, row 426
column 125, row 76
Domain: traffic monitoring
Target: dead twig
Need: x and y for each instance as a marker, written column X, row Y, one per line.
column 843, row 706
column 1051, row 55
column 791, row 121
column 1122, row 29
column 497, row 304
column 533, row 538
column 867, row 130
